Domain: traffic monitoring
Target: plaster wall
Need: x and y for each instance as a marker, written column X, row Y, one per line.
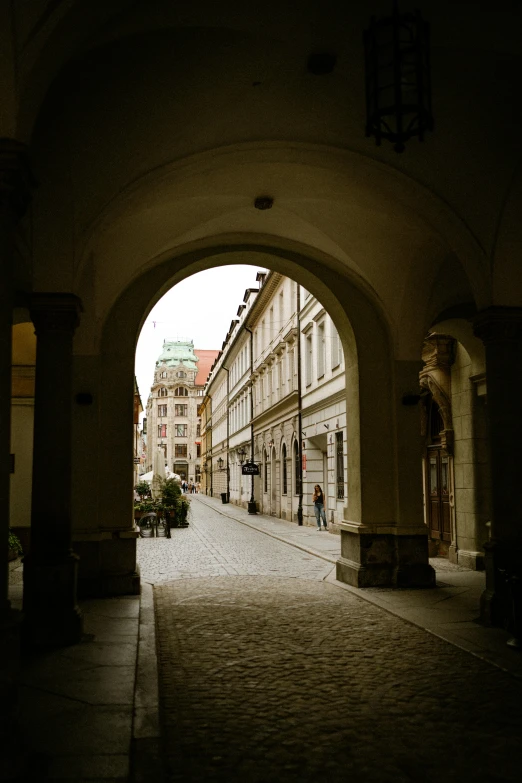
column 22, row 421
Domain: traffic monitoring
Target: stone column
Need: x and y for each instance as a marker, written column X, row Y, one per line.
column 500, row 329
column 389, row 545
column 50, row 571
column 14, row 196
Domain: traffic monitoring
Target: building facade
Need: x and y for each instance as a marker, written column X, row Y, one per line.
column 324, row 415
column 173, row 421
column 291, row 426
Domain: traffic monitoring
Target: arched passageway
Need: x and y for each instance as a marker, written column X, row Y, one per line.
column 150, row 175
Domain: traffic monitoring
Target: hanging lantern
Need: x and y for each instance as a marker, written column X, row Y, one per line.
column 398, row 89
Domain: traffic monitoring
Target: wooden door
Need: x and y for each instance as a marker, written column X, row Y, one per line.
column 438, row 494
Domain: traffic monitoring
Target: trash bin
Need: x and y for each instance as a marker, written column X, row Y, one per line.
column 224, row 497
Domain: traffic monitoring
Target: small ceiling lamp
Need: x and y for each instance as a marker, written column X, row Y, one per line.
column 398, row 87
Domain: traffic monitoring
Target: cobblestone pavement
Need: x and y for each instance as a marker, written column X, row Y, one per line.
column 215, row 545
column 270, row 678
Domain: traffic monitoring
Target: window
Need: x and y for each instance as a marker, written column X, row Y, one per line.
column 309, row 359
column 162, row 410
column 180, row 450
column 297, row 469
column 285, row 473
column 163, row 374
column 144, row 426
column 336, row 345
column 180, row 391
column 320, row 349
column 181, row 374
column 181, row 410
column 162, row 392
column 162, row 430
column 198, row 450
column 198, row 430
column 339, row 463
column 180, row 430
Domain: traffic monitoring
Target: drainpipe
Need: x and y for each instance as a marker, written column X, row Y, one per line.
column 211, row 462
column 228, row 430
column 252, row 502
column 299, row 408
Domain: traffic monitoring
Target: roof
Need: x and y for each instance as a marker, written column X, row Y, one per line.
column 205, row 361
column 176, row 352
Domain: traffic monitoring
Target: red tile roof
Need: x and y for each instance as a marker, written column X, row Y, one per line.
column 206, row 360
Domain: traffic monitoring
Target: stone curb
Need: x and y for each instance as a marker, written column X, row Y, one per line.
column 146, row 757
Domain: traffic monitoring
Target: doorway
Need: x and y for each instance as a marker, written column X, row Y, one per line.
column 438, row 511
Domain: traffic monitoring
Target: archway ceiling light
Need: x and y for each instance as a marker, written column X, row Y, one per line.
column 398, row 84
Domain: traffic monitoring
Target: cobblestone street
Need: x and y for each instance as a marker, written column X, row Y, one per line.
column 268, row 673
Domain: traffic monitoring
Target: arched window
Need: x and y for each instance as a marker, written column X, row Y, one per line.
column 180, row 391
column 297, row 469
column 163, row 392
column 284, row 470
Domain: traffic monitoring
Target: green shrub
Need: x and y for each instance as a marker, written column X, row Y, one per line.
column 14, row 543
column 143, row 489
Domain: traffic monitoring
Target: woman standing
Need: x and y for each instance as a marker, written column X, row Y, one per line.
column 318, row 501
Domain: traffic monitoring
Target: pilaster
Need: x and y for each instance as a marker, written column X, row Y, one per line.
column 500, row 329
column 15, row 182
column 50, row 571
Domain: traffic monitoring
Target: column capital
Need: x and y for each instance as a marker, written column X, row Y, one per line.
column 55, row 312
column 498, row 324
column 16, row 178
column 438, row 351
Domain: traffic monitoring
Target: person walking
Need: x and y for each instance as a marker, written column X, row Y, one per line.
column 318, row 501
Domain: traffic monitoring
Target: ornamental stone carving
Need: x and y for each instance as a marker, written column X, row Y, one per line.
column 438, row 354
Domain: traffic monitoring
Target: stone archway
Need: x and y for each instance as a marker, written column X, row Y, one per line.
column 373, row 387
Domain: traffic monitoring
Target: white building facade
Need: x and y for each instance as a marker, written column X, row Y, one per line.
column 323, row 403
column 260, row 408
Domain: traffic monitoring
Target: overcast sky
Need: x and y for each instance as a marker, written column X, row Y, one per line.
column 199, row 309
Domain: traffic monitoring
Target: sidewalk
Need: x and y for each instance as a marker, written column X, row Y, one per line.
column 89, row 712
column 450, row 611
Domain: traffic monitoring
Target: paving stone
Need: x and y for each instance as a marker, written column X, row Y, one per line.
column 277, row 675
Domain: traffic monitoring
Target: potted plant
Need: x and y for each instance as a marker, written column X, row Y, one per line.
column 145, row 503
column 170, row 501
column 14, row 546
column 142, row 488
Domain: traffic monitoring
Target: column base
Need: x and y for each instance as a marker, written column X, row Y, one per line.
column 384, row 560
column 51, row 614
column 472, row 560
column 501, row 601
column 10, row 634
column 14, row 747
column 108, row 566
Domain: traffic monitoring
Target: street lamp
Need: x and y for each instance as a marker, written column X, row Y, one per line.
column 225, row 496
column 241, row 453
column 398, row 85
